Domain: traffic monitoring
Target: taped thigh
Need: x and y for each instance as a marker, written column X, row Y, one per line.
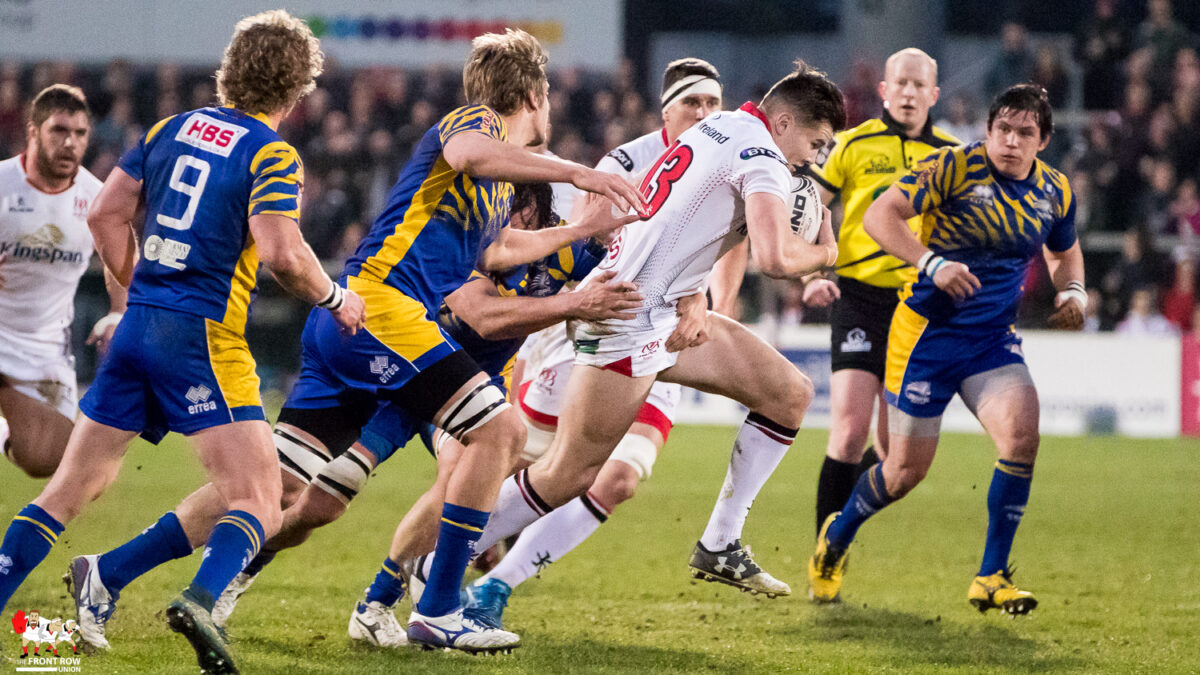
column 346, row 475
column 976, row 389
column 901, row 423
column 299, row 457
column 472, row 410
column 638, row 452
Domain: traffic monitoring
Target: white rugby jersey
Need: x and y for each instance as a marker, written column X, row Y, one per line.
column 47, row 245
column 696, row 192
column 636, row 156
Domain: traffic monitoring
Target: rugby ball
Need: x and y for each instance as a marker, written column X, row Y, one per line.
column 806, row 208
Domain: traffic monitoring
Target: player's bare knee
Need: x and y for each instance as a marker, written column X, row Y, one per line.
column 1020, row 446
column 616, row 483
column 904, row 478
column 292, row 489
column 787, row 405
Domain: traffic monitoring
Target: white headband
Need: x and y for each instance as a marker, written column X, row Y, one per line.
column 692, row 84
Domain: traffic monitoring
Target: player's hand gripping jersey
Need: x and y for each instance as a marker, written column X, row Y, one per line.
column 437, row 221
column 696, row 195
column 179, row 358
column 993, row 224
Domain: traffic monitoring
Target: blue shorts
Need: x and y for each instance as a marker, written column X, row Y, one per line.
column 387, row 428
column 172, row 371
column 926, row 363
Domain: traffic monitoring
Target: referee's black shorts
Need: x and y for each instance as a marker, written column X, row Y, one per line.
column 860, row 321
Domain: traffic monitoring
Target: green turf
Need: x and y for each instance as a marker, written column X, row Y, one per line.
column 1109, row 544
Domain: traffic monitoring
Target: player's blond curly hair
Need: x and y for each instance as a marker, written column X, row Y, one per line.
column 270, row 64
column 505, row 71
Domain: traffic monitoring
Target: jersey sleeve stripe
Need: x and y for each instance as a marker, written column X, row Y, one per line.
column 158, row 127
column 277, row 150
column 293, row 178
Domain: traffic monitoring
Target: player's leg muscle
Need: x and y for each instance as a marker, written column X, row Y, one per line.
column 89, row 465
column 751, row 372
column 1006, row 403
column 852, row 406
column 241, row 462
column 39, row 432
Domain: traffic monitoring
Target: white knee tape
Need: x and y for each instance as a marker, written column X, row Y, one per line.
column 298, row 457
column 537, row 442
column 345, row 476
column 472, row 410
column 638, row 452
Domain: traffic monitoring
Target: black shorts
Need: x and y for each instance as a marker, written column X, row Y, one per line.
column 860, row 321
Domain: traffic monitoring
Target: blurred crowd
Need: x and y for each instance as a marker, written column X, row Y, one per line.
column 1127, row 100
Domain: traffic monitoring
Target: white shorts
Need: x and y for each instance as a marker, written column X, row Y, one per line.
column 634, row 349
column 543, row 394
column 40, row 371
column 34, row 635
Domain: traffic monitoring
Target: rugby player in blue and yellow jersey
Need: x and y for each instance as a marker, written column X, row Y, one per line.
column 221, row 193
column 444, row 218
column 987, row 210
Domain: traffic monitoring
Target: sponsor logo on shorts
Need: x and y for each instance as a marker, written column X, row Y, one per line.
column 5, row 563
column 856, row 341
column 380, row 366
column 199, row 398
column 546, row 378
column 1016, row 349
column 587, row 346
column 918, row 392
column 651, row 347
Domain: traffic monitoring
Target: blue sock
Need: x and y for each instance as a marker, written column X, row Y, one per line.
column 234, row 542
column 388, row 587
column 461, row 528
column 260, row 561
column 1006, row 504
column 26, row 544
column 868, row 497
column 162, row 542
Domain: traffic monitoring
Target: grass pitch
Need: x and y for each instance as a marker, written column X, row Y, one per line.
column 1109, row 544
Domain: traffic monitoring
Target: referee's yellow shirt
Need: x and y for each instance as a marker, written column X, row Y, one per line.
column 864, row 161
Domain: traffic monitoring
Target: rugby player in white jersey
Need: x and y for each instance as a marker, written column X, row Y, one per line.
column 45, row 247
column 691, row 91
column 722, row 180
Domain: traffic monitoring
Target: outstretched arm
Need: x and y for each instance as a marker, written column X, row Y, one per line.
column 494, row 317
column 477, row 154
column 517, row 247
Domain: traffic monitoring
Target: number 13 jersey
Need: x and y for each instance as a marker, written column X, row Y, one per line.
column 696, row 194
column 203, row 174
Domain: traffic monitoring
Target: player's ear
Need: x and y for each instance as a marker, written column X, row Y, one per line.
column 882, row 92
column 1044, row 143
column 937, row 92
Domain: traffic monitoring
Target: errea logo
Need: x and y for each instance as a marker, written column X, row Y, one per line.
column 199, row 398
column 380, row 366
column 210, row 134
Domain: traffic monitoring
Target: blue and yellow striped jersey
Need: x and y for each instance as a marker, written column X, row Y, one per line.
column 538, row 279
column 993, row 224
column 437, row 221
column 203, row 174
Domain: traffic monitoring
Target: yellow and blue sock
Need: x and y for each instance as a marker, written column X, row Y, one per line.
column 388, row 587
column 162, row 542
column 461, row 528
column 869, row 495
column 1007, row 497
column 27, row 542
column 235, row 540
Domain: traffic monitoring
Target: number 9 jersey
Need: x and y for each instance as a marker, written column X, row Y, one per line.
column 203, row 174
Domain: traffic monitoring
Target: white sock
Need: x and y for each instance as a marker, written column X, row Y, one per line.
column 758, row 449
column 4, row 433
column 516, row 508
column 549, row 539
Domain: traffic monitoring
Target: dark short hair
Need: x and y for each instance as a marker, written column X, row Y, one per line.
column 539, row 196
column 681, row 68
column 1024, row 97
column 58, row 98
column 811, row 94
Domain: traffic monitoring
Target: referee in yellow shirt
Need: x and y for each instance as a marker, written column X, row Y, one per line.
column 864, row 161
